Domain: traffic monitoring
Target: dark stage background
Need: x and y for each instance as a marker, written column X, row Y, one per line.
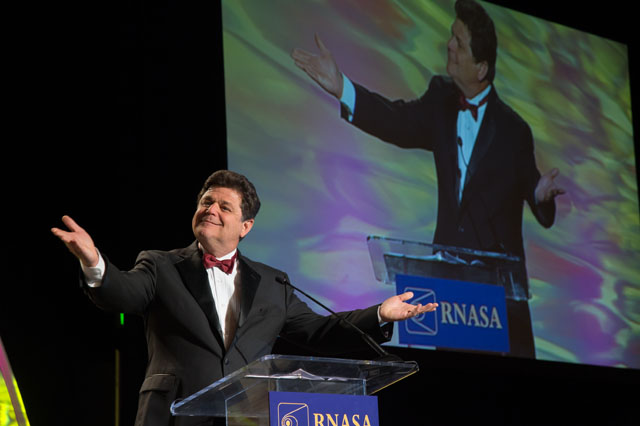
column 115, row 114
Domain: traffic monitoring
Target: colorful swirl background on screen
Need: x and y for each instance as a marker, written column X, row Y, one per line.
column 326, row 186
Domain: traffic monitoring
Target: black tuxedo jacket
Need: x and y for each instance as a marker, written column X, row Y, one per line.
column 502, row 171
column 185, row 347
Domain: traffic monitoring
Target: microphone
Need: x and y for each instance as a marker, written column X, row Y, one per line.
column 383, row 355
column 459, row 142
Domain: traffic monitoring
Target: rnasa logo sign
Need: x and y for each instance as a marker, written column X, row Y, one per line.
column 469, row 316
column 316, row 409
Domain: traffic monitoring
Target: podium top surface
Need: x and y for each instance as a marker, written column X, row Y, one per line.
column 391, row 257
column 292, row 374
column 422, row 250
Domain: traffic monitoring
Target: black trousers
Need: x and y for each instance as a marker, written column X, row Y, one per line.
column 520, row 330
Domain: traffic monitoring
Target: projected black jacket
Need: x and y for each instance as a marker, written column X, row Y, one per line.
column 502, row 171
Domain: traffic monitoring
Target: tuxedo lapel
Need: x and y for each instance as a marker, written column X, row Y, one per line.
column 486, row 136
column 194, row 276
column 250, row 280
column 450, row 150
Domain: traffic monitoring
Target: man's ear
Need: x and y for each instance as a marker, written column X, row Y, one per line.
column 246, row 227
column 483, row 69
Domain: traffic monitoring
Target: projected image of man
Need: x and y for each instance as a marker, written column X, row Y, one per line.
column 483, row 150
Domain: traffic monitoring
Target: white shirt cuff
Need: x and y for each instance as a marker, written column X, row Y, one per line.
column 348, row 98
column 93, row 274
column 379, row 317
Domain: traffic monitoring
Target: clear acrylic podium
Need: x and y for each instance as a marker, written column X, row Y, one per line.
column 242, row 397
column 391, row 256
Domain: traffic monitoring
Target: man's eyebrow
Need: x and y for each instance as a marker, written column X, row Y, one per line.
column 208, row 197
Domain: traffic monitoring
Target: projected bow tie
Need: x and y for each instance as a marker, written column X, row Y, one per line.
column 225, row 266
column 465, row 105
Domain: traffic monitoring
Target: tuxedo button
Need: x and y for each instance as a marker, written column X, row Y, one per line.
column 460, row 228
column 226, row 361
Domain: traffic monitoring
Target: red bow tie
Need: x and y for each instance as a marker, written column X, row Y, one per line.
column 225, row 266
column 465, row 105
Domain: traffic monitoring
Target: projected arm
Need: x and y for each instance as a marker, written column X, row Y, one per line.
column 321, row 67
column 543, row 205
column 547, row 189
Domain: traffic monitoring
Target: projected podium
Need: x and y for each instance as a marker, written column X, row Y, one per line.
column 482, row 296
column 243, row 396
column 393, row 256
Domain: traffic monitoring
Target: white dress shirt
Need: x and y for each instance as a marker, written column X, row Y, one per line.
column 467, row 129
column 226, row 295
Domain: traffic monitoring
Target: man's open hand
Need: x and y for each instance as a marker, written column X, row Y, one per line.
column 321, row 67
column 395, row 308
column 78, row 241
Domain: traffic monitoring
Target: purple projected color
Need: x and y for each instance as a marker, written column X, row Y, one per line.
column 326, row 186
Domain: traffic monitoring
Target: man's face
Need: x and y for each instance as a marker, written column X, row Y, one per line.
column 217, row 222
column 461, row 65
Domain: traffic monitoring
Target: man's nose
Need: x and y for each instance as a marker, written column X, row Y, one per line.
column 212, row 209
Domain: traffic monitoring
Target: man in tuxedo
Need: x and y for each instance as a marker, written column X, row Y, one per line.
column 483, row 150
column 208, row 310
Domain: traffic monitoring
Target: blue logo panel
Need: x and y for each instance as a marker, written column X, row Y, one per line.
column 469, row 316
column 313, row 409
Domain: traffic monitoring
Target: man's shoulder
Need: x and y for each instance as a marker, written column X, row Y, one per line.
column 259, row 267
column 442, row 81
column 507, row 115
column 441, row 89
column 173, row 255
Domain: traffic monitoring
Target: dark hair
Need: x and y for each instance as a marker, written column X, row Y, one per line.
column 250, row 203
column 484, row 42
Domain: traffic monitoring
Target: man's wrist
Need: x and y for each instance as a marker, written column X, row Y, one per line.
column 93, row 274
column 380, row 321
column 348, row 98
